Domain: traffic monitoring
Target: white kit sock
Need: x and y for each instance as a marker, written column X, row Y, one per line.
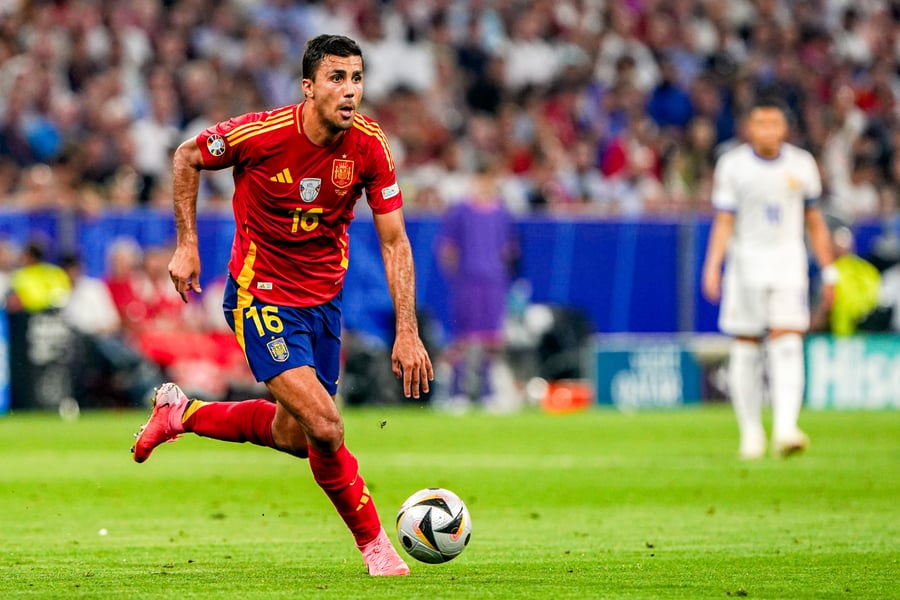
column 786, row 378
column 745, row 382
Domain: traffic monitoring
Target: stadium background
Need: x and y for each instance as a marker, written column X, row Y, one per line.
column 604, row 118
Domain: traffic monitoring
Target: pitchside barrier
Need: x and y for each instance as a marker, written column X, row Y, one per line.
column 859, row 372
column 658, row 371
column 853, row 373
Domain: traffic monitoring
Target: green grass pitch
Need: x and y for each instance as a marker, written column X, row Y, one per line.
column 593, row 505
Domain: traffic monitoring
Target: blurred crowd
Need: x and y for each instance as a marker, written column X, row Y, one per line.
column 581, row 106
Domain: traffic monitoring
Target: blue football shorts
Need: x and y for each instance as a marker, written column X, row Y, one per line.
column 278, row 338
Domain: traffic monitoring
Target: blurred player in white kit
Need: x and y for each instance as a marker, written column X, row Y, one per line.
column 766, row 193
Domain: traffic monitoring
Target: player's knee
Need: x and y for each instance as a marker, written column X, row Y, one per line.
column 326, row 433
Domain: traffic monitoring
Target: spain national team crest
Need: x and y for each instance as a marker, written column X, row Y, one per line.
column 215, row 144
column 342, row 172
column 278, row 349
column 309, row 188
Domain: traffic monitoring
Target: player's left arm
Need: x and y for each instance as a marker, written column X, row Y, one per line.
column 820, row 242
column 818, row 232
column 409, row 358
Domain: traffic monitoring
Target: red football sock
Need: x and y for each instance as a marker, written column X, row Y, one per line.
column 338, row 475
column 246, row 421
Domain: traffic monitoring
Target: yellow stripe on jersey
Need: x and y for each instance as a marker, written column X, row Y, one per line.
column 244, row 298
column 278, row 116
column 256, row 132
column 369, row 126
column 344, row 260
column 373, row 130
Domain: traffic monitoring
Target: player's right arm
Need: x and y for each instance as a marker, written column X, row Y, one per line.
column 184, row 268
column 725, row 202
column 719, row 236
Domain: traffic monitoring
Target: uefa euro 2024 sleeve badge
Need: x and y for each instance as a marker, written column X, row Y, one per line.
column 309, row 188
column 278, row 349
column 215, row 144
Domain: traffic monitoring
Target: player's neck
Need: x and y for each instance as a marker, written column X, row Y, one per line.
column 767, row 153
column 314, row 129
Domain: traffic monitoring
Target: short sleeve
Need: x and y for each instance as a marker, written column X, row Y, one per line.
column 220, row 144
column 382, row 190
column 723, row 194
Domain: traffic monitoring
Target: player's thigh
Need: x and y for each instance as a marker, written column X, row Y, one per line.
column 743, row 308
column 788, row 308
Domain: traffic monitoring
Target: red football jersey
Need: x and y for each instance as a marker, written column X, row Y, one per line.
column 293, row 200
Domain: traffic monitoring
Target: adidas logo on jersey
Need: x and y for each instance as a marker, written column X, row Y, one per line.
column 283, row 177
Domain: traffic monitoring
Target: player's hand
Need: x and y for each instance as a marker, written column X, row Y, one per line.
column 711, row 285
column 410, row 361
column 184, row 269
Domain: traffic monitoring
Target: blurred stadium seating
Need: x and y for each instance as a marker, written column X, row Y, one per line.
column 604, row 120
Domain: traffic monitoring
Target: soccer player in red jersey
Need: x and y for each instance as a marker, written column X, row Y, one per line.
column 298, row 173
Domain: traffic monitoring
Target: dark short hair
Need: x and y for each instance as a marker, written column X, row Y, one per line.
column 326, row 45
column 770, row 101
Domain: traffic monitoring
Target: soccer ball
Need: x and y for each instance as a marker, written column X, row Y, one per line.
column 433, row 525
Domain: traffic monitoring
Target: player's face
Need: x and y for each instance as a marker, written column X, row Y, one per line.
column 336, row 91
column 767, row 129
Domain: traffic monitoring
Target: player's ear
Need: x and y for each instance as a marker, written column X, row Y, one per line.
column 306, row 86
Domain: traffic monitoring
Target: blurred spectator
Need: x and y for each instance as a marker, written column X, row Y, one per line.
column 37, row 285
column 90, row 308
column 529, row 58
column 387, row 45
column 857, row 197
column 154, row 136
column 585, row 184
column 623, row 55
column 846, row 172
column 689, row 167
column 669, row 104
column 449, row 179
column 127, row 283
column 39, row 189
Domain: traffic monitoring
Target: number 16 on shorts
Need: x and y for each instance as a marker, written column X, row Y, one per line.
column 265, row 319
